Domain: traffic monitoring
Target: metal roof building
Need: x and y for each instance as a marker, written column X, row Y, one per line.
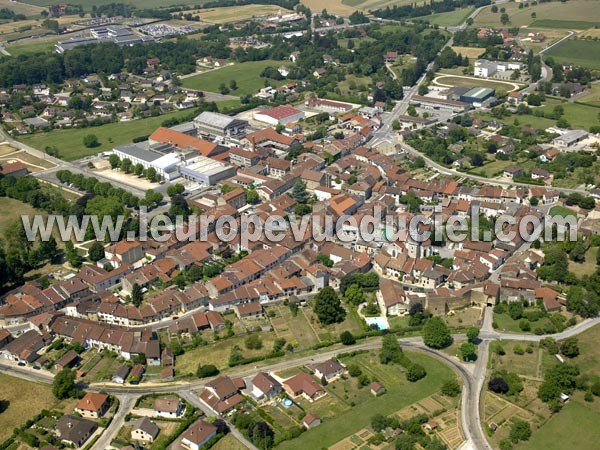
column 215, row 124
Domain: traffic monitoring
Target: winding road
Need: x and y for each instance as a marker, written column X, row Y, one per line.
column 473, row 376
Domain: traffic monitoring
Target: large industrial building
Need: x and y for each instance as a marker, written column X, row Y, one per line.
column 164, row 158
column 477, row 96
column 219, row 125
column 119, row 34
column 279, row 115
column 206, row 170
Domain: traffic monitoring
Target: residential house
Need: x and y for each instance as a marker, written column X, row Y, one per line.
column 330, row 369
column 169, row 408
column 144, row 430
column 75, row 430
column 93, row 405
column 304, row 385
column 197, row 435
column 265, row 387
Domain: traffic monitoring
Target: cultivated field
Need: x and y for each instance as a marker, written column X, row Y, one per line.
column 582, row 52
column 235, row 13
column 469, row 52
column 448, row 19
column 21, row 7
column 549, row 14
column 141, row 4
column 347, row 7
column 247, row 76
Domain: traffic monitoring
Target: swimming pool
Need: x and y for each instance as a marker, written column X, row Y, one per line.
column 381, row 322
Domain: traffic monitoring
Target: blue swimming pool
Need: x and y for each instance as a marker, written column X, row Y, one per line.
column 381, row 322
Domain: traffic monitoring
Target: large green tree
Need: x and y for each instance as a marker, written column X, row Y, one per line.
column 436, row 333
column 64, row 385
column 328, row 307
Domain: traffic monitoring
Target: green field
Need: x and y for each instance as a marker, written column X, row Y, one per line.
column 30, row 48
column 566, row 24
column 592, row 97
column 247, row 76
column 87, row 4
column 561, row 211
column 400, row 393
column 576, row 426
column 448, row 19
column 585, row 53
column 553, row 12
column 70, row 141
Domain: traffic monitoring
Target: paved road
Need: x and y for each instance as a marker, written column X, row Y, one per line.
column 473, row 375
column 126, row 402
column 194, row 400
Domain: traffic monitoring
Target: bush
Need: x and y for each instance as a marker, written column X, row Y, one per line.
column 253, row 342
column 347, row 338
column 91, row 141
column 518, row 350
column 208, row 370
column 415, row 372
column 451, row 388
column 520, row 430
column 498, row 385
column 354, row 370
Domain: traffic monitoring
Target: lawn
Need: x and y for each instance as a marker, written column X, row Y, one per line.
column 493, row 169
column 218, row 353
column 400, row 393
column 235, row 13
column 589, row 356
column 559, row 210
column 566, row 24
column 576, row 426
column 30, row 48
column 528, row 364
column 70, row 141
column 588, row 267
column 21, row 401
column 592, row 97
column 247, row 76
column 506, row 323
column 582, row 52
column 554, row 12
column 448, row 19
column 11, row 211
column 228, row 442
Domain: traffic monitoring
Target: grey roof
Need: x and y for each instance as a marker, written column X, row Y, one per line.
column 573, row 135
column 184, row 127
column 216, row 120
column 146, row 425
column 139, row 152
column 75, row 429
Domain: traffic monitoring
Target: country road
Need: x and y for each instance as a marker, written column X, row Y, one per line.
column 473, row 376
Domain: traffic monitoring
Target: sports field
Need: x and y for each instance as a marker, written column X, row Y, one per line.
column 451, row 80
column 235, row 13
column 246, row 75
